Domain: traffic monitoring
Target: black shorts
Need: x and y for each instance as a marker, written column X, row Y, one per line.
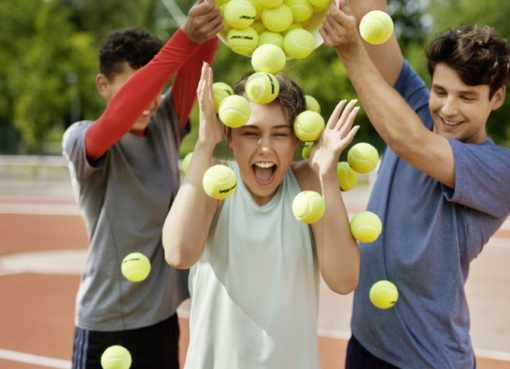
column 358, row 357
column 151, row 347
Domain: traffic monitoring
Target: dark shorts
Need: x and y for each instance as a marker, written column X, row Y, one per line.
column 156, row 346
column 359, row 358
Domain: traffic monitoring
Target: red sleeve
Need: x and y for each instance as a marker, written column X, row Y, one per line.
column 130, row 101
column 184, row 88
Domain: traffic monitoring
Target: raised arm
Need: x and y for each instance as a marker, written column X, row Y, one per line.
column 189, row 220
column 337, row 250
column 395, row 121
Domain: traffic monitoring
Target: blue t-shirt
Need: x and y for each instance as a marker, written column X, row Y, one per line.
column 430, row 235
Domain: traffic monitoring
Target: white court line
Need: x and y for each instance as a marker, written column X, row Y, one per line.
column 39, row 209
column 38, row 360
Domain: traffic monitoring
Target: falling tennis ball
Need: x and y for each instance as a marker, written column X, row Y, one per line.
column 363, row 157
column 262, row 88
column 116, row 357
column 219, row 181
column 383, row 294
column 312, row 104
column 305, row 152
column 308, row 126
column 376, row 27
column 234, row 111
column 135, row 267
column 366, row 226
column 298, row 43
column 220, row 91
column 308, row 207
column 277, row 19
column 347, row 177
column 268, row 58
column 243, row 41
column 185, row 162
column 239, row 14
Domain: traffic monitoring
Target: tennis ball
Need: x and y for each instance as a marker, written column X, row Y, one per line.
column 268, row 58
column 268, row 37
column 258, row 26
column 376, row 27
column 383, row 294
column 185, row 162
column 277, row 19
column 312, row 104
column 239, row 14
column 305, row 152
column 135, row 267
column 258, row 8
column 116, row 357
column 243, row 41
column 347, row 177
column 308, row 125
column 270, row 3
column 234, row 111
column 363, row 157
column 220, row 91
column 301, row 9
column 319, row 5
column 219, row 181
column 298, row 43
column 366, row 226
column 262, row 88
column 308, row 207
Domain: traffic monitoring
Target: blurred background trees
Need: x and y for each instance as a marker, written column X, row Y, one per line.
column 48, row 59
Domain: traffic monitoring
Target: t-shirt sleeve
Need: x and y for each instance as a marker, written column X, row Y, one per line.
column 413, row 89
column 482, row 177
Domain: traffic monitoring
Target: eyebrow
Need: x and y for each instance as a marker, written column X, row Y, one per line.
column 470, row 92
column 280, row 126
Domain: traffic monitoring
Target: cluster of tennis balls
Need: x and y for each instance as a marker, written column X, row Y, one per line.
column 288, row 24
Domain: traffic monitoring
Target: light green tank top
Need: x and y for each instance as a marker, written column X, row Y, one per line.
column 255, row 289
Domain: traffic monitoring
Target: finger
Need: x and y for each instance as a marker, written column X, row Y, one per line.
column 346, row 113
column 347, row 124
column 350, row 136
column 333, row 119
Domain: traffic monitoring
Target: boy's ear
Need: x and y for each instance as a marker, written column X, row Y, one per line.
column 498, row 98
column 102, row 84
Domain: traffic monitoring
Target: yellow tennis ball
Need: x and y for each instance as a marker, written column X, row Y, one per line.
column 259, row 27
column 301, row 9
column 312, row 104
column 243, row 41
column 268, row 58
column 270, row 3
column 219, row 181
column 319, row 5
column 366, row 226
column 298, row 43
column 277, row 19
column 135, row 267
column 347, row 177
column 305, row 152
column 116, row 357
column 376, row 27
column 308, row 207
column 268, row 37
column 234, row 111
column 239, row 14
column 262, row 88
column 308, row 126
column 258, row 8
column 383, row 294
column 221, row 90
column 363, row 157
column 185, row 162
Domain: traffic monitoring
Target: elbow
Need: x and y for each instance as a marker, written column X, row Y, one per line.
column 346, row 286
column 177, row 259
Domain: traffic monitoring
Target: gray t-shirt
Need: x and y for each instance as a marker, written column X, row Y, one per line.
column 124, row 198
column 430, row 235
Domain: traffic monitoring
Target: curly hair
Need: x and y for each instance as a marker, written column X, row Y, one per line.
column 478, row 54
column 132, row 45
column 290, row 97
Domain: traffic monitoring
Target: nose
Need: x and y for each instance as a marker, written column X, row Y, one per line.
column 264, row 144
column 449, row 107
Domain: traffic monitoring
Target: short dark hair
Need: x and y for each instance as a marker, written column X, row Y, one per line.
column 478, row 54
column 290, row 97
column 132, row 45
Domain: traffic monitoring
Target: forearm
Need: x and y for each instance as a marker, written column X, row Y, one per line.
column 337, row 250
column 188, row 222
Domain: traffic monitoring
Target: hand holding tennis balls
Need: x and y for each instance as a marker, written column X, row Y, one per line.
column 366, row 226
column 135, row 267
column 116, row 357
column 308, row 207
column 383, row 294
column 376, row 27
column 219, row 182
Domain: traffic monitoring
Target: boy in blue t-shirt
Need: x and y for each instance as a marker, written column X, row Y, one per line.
column 441, row 192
